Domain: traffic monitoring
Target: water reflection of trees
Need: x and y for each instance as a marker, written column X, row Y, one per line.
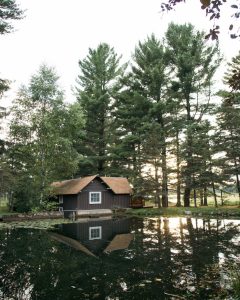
column 163, row 259
column 182, row 261
column 181, row 258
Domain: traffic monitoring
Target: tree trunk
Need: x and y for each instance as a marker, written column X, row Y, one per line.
column 195, row 197
column 43, row 150
column 178, row 172
column 164, row 178
column 157, row 195
column 187, row 193
column 214, row 194
column 237, row 179
column 236, row 169
column 222, row 198
column 164, row 162
column 201, row 197
column 205, row 201
column 101, row 149
column 188, row 176
column 158, row 199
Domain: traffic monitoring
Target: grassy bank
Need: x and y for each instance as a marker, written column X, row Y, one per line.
column 5, row 211
column 225, row 211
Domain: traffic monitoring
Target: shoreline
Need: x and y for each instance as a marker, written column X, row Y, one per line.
column 222, row 212
column 196, row 212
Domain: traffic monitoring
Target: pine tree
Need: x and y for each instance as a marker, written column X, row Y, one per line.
column 98, row 86
column 232, row 76
column 228, row 117
column 150, row 75
column 229, row 133
column 193, row 65
column 131, row 130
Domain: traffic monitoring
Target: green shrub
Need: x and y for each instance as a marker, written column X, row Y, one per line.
column 235, row 275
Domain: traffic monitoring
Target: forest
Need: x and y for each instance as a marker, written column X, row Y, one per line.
column 158, row 120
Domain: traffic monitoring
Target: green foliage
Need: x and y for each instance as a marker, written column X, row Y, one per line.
column 130, row 127
column 98, row 86
column 43, row 131
column 6, row 178
column 4, row 86
column 232, row 76
column 45, row 206
column 228, row 119
column 141, row 117
column 213, row 9
column 235, row 278
column 9, row 10
column 193, row 64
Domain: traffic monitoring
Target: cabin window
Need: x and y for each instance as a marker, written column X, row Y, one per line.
column 61, row 199
column 95, row 197
column 95, row 233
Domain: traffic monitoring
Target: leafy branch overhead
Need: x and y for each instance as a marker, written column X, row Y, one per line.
column 3, row 86
column 232, row 77
column 212, row 9
column 9, row 10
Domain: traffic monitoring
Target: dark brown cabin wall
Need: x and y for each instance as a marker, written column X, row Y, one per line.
column 70, row 202
column 95, row 186
column 122, row 200
column 109, row 200
column 83, row 200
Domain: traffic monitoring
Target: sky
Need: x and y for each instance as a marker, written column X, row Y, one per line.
column 59, row 33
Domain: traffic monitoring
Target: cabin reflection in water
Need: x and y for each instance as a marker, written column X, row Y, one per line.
column 95, row 236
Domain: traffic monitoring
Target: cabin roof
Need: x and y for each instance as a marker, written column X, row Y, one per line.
column 119, row 185
column 70, row 242
column 120, row 241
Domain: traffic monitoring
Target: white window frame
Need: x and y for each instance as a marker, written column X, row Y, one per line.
column 90, row 197
column 60, row 209
column 90, row 233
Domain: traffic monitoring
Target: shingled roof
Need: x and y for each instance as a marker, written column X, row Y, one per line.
column 118, row 185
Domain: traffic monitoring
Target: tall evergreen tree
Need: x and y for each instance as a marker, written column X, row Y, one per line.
column 232, row 76
column 150, row 74
column 98, row 86
column 228, row 135
column 131, row 128
column 175, row 147
column 194, row 65
column 229, row 122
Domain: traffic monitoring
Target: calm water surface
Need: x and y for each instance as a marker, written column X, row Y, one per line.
column 151, row 258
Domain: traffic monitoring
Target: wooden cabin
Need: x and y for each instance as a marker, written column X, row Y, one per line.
column 95, row 236
column 92, row 192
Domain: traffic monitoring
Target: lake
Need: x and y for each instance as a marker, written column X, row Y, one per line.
column 125, row 258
